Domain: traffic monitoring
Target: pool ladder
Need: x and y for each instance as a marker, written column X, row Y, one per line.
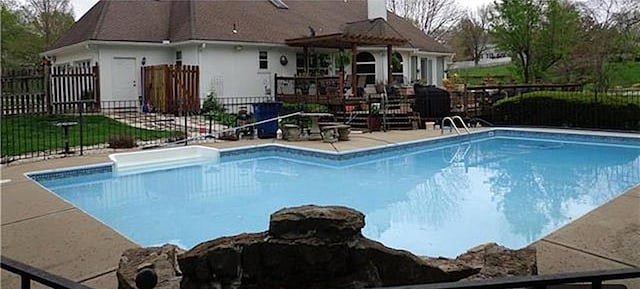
column 453, row 124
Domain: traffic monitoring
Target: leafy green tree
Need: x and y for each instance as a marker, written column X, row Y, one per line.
column 514, row 26
column 559, row 36
column 536, row 33
column 19, row 44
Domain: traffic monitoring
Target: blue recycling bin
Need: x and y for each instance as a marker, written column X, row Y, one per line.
column 263, row 111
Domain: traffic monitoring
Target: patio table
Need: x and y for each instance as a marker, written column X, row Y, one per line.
column 314, row 129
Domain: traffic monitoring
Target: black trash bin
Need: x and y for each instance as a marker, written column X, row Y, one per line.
column 264, row 111
column 433, row 103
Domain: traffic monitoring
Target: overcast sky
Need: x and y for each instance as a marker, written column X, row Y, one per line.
column 82, row 6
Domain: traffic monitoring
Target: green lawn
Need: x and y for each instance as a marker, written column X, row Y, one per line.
column 482, row 71
column 474, row 75
column 625, row 74
column 31, row 133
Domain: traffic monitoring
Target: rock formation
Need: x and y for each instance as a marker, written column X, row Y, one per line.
column 314, row 247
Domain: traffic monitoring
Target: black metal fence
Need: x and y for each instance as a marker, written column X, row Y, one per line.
column 566, row 106
column 88, row 126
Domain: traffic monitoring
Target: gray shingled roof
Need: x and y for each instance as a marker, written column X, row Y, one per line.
column 255, row 21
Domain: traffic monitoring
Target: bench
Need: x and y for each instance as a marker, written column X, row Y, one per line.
column 332, row 132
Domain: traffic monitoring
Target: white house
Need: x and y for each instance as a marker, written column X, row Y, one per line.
column 238, row 45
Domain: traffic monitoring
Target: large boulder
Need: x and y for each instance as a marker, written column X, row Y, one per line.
column 305, row 247
column 328, row 223
column 162, row 260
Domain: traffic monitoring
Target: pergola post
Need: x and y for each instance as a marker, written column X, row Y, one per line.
column 354, row 78
column 306, row 59
column 389, row 65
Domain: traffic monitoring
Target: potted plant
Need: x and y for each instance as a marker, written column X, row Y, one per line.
column 374, row 121
column 405, row 106
column 342, row 59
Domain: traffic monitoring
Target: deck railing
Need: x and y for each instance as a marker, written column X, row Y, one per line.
column 317, row 89
column 595, row 278
column 29, row 273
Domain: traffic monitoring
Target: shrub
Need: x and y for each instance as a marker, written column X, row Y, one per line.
column 288, row 108
column 122, row 141
column 226, row 119
column 569, row 109
column 212, row 105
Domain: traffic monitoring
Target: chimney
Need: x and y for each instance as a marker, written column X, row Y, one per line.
column 377, row 9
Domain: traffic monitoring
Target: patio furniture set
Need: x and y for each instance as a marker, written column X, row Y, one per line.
column 326, row 131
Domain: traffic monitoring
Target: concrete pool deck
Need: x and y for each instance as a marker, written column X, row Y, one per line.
column 44, row 231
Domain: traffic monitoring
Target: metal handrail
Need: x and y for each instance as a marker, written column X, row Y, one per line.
column 28, row 273
column 464, row 125
column 217, row 133
column 481, row 120
column 536, row 281
column 260, row 122
column 453, row 124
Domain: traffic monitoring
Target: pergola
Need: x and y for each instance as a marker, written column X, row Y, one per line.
column 376, row 32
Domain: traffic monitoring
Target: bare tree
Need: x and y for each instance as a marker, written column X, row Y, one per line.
column 434, row 17
column 50, row 18
column 471, row 35
column 613, row 24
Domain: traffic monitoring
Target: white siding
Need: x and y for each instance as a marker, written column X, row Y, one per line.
column 153, row 55
column 79, row 54
column 230, row 69
column 233, row 71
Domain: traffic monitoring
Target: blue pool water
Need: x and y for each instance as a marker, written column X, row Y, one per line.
column 432, row 199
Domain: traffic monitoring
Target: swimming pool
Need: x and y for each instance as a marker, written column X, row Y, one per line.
column 435, row 197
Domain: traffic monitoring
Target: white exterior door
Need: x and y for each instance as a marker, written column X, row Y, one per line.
column 124, row 79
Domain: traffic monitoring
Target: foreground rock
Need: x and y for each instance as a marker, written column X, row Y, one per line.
column 161, row 259
column 489, row 261
column 306, row 247
column 313, row 247
column 497, row 261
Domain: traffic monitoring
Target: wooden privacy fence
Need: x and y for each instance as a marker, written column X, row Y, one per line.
column 47, row 89
column 171, row 88
column 73, row 84
column 23, row 91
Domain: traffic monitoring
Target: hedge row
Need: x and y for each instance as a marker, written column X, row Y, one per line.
column 569, row 109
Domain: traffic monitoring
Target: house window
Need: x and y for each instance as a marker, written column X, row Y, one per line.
column 300, row 69
column 318, row 64
column 263, row 60
column 397, row 67
column 426, row 70
column 179, row 57
column 366, row 68
column 414, row 69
